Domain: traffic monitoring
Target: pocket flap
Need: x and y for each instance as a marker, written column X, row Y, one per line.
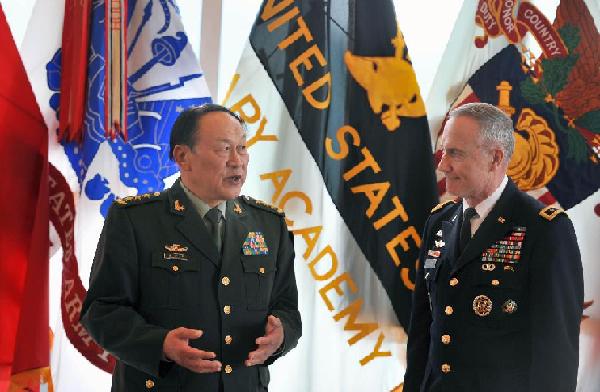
column 258, row 264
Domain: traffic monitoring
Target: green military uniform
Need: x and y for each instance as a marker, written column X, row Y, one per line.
column 504, row 315
column 157, row 268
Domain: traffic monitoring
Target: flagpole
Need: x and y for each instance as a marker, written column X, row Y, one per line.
column 210, row 48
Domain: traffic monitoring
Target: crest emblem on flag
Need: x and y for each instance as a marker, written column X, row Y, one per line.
column 160, row 78
column 390, row 82
column 163, row 79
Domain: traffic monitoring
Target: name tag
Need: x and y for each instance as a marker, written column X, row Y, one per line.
column 430, row 263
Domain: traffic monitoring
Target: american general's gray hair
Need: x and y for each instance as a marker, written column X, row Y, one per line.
column 496, row 126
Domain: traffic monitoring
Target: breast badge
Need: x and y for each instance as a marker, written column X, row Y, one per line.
column 255, row 244
column 175, row 252
column 509, row 306
column 482, row 305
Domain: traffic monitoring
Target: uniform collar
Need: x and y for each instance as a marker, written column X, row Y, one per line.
column 484, row 208
column 199, row 205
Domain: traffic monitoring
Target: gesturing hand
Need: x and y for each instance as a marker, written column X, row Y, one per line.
column 176, row 348
column 267, row 344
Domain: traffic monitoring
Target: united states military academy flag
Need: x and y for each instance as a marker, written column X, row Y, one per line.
column 110, row 77
column 339, row 140
column 24, row 340
column 553, row 99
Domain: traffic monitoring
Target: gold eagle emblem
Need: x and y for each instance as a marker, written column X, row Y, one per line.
column 390, row 82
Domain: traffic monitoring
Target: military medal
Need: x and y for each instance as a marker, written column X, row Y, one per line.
column 509, row 306
column 482, row 305
column 255, row 244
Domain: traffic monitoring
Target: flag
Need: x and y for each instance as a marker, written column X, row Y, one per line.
column 24, row 341
column 135, row 72
column 339, row 140
column 552, row 97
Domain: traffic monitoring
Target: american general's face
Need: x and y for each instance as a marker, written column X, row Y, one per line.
column 469, row 167
column 215, row 168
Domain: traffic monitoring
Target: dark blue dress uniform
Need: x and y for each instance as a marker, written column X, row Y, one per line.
column 504, row 315
column 157, row 268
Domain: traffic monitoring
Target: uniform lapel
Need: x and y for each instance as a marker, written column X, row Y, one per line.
column 450, row 233
column 191, row 226
column 235, row 231
column 492, row 229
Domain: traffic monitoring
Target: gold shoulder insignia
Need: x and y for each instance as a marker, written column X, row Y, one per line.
column 442, row 205
column 263, row 205
column 551, row 212
column 139, row 199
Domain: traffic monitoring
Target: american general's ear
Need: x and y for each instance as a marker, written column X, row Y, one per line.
column 497, row 158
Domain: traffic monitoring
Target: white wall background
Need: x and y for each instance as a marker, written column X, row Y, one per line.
column 426, row 26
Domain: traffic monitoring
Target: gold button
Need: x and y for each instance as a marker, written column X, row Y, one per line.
column 175, row 268
column 228, row 369
column 228, row 339
column 227, row 309
column 453, row 282
column 446, row 368
column 261, row 270
column 449, row 310
column 446, row 339
column 495, row 282
column 225, row 280
column 149, row 384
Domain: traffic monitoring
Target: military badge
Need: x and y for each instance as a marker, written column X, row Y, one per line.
column 482, row 305
column 175, row 252
column 178, row 206
column 433, row 253
column 176, row 248
column 430, row 263
column 509, row 306
column 255, row 244
column 237, row 209
column 488, row 266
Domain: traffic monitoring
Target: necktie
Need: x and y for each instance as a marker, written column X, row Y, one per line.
column 214, row 216
column 465, row 228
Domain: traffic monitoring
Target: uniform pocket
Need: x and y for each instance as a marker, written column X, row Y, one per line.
column 170, row 279
column 259, row 273
column 496, row 298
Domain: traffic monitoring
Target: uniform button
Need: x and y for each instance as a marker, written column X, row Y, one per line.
column 149, row 384
column 175, row 268
column 228, row 369
column 225, row 280
column 227, row 309
column 495, row 282
column 453, row 282
column 446, row 339
column 449, row 310
column 228, row 339
column 446, row 368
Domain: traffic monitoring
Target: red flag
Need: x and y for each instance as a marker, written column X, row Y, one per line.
column 24, row 341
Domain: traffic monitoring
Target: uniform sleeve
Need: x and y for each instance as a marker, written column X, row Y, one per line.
column 556, row 303
column 109, row 310
column 284, row 297
column 418, row 331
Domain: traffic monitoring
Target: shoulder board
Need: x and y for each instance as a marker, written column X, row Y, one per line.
column 442, row 205
column 263, row 205
column 550, row 213
column 139, row 199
